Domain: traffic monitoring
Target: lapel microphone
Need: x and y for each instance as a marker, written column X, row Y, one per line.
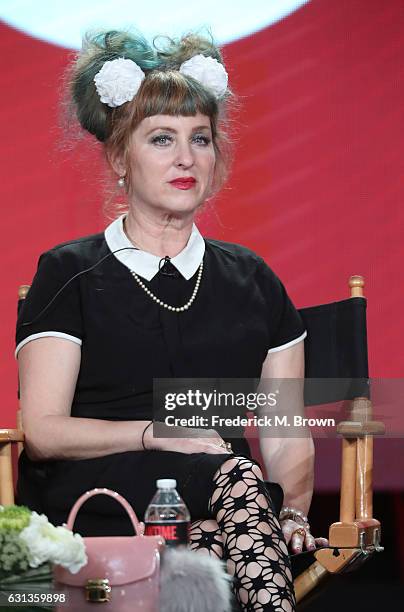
column 166, row 268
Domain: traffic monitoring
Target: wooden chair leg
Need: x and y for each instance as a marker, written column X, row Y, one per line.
column 364, row 495
column 7, row 438
column 6, row 475
column 348, row 480
column 20, row 444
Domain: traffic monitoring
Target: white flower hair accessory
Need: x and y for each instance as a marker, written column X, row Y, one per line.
column 118, row 81
column 208, row 71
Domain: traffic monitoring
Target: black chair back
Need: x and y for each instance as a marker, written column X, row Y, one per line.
column 336, row 350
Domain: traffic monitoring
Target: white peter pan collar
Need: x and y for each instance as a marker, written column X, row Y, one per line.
column 147, row 265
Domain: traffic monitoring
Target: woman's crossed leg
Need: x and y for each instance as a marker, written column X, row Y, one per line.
column 245, row 532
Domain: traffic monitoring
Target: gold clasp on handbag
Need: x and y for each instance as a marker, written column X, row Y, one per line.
column 98, row 591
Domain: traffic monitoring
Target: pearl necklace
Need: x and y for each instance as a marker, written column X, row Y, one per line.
column 163, row 304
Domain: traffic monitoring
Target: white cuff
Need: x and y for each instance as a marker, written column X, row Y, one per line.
column 46, row 334
column 288, row 344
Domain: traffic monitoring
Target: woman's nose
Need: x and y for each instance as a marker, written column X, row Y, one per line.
column 184, row 155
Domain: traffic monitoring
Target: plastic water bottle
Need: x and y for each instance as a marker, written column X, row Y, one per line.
column 167, row 515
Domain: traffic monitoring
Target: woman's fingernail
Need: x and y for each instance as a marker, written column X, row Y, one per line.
column 311, row 547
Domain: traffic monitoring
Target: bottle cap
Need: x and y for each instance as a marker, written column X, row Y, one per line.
column 166, row 483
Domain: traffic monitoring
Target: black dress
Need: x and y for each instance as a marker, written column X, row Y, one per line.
column 240, row 313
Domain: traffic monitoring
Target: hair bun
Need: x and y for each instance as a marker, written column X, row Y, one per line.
column 98, row 48
column 174, row 52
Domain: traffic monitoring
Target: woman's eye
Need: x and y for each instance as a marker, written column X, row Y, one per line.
column 201, row 139
column 162, row 139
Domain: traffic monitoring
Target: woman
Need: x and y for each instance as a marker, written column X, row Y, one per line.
column 150, row 298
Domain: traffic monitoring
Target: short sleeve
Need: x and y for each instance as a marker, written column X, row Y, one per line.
column 285, row 324
column 52, row 306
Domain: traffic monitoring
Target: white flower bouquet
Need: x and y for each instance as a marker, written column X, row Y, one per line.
column 29, row 545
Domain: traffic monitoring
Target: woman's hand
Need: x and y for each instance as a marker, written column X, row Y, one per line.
column 299, row 538
column 196, row 440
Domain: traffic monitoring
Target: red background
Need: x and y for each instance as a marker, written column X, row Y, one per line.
column 316, row 188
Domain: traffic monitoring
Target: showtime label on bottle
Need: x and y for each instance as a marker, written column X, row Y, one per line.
column 175, row 533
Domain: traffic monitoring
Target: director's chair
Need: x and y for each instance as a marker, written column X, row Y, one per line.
column 335, row 349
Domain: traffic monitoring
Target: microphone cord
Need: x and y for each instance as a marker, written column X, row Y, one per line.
column 70, row 280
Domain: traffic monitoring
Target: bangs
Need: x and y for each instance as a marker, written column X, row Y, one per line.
column 172, row 93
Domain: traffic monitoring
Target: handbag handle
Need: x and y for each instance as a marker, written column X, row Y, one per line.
column 137, row 525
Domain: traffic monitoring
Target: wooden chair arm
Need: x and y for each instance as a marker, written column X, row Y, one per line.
column 353, row 543
column 11, row 435
column 356, row 429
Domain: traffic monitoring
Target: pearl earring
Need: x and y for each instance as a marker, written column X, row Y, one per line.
column 121, row 181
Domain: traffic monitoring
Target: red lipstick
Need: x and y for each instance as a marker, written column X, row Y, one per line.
column 183, row 183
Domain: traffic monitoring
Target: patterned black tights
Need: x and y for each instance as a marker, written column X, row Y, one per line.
column 247, row 533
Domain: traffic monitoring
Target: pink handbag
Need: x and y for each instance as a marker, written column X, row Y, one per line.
column 122, row 572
